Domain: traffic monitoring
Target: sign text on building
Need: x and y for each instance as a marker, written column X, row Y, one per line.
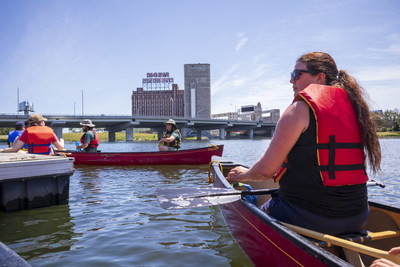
column 157, row 77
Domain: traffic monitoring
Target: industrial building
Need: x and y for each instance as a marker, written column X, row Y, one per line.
column 159, row 96
column 197, row 91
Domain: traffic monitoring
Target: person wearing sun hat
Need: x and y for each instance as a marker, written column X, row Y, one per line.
column 89, row 140
column 38, row 138
column 172, row 139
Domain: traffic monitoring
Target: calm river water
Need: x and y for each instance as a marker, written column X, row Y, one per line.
column 113, row 217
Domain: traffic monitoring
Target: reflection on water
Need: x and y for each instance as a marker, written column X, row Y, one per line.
column 39, row 232
column 114, row 219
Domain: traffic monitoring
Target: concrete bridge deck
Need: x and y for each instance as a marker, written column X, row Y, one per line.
column 117, row 123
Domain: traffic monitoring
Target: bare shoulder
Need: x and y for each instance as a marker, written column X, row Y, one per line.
column 296, row 115
column 298, row 107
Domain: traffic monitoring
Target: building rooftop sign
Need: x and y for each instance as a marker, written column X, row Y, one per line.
column 157, row 81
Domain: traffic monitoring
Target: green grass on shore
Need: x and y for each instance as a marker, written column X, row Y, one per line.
column 389, row 134
column 120, row 136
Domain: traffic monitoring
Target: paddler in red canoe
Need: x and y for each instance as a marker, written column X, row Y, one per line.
column 323, row 139
column 89, row 140
column 172, row 138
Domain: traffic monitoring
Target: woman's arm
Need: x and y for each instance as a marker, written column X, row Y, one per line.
column 168, row 140
column 292, row 123
column 15, row 148
column 59, row 144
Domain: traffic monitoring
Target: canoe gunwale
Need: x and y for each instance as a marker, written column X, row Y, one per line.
column 220, row 147
column 193, row 156
column 320, row 254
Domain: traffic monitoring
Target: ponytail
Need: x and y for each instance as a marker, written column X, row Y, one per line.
column 318, row 62
column 370, row 140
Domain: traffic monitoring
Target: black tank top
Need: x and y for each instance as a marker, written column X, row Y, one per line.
column 302, row 185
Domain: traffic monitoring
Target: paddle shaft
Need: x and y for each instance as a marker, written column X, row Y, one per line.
column 377, row 253
column 183, row 198
column 270, row 191
column 244, row 193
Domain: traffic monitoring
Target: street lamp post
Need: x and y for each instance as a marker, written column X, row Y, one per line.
column 82, row 103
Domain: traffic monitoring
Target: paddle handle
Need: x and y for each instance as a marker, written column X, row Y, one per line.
column 259, row 192
column 377, row 253
column 374, row 183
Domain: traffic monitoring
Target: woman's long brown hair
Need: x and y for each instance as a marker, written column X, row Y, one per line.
column 318, row 62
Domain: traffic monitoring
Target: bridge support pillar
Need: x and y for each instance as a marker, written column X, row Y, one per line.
column 251, row 133
column 198, row 135
column 222, row 133
column 160, row 134
column 111, row 136
column 58, row 131
column 183, row 133
column 228, row 134
column 129, row 134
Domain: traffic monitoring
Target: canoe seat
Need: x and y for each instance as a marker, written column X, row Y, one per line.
column 359, row 237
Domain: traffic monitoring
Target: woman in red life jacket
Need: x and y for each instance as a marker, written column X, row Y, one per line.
column 38, row 138
column 89, row 140
column 323, row 139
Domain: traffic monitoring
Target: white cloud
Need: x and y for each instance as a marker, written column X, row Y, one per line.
column 242, row 41
column 249, row 85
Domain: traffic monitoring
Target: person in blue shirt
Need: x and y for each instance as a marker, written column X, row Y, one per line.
column 13, row 135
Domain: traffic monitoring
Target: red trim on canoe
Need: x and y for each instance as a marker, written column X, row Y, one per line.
column 180, row 157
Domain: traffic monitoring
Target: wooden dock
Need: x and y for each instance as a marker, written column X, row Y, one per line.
column 30, row 181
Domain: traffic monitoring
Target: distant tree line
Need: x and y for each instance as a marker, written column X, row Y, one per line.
column 387, row 121
column 5, row 131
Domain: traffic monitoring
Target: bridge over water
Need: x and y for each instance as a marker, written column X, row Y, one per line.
column 118, row 123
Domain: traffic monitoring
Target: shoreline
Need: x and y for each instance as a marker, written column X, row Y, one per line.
column 120, row 136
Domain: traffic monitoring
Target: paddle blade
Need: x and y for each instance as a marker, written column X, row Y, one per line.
column 184, row 198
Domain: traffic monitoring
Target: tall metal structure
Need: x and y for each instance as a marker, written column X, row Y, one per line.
column 197, row 91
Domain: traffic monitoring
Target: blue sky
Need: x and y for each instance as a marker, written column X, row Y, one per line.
column 52, row 50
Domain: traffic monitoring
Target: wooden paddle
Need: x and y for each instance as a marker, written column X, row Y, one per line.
column 377, row 253
column 184, row 198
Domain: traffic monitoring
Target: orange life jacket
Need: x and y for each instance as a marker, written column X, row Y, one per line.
column 339, row 152
column 39, row 140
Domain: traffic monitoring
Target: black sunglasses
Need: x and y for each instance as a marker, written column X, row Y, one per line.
column 296, row 74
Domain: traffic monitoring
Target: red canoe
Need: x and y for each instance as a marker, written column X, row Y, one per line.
column 181, row 157
column 267, row 242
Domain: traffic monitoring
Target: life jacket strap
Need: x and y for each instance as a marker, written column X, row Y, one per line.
column 31, row 147
column 331, row 168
